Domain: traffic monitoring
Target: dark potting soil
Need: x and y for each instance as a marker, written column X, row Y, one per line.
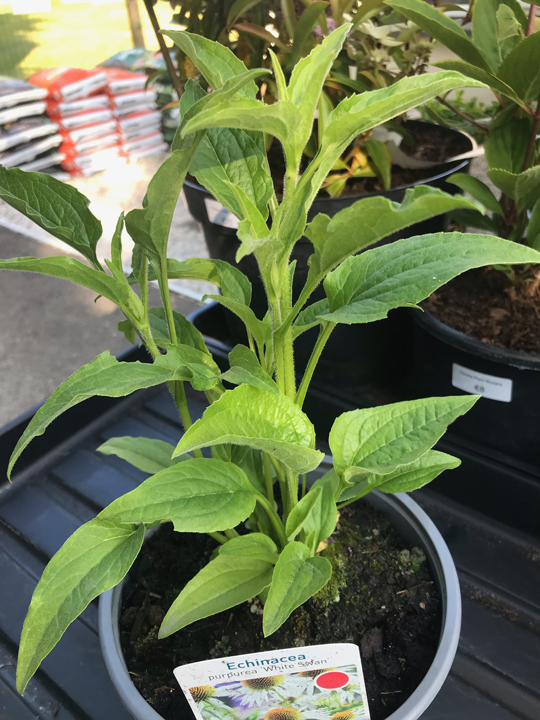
column 487, row 305
column 381, row 597
column 426, row 142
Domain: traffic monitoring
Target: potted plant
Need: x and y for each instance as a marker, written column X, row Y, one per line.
column 272, row 537
column 484, row 329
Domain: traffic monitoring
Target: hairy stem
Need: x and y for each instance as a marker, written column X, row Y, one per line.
column 324, row 334
column 219, row 537
column 230, row 533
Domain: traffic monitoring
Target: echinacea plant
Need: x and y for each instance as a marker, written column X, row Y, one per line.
column 251, row 495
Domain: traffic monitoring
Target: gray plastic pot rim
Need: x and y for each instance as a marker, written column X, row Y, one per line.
column 405, row 512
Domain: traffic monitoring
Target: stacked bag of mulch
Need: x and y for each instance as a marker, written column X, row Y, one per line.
column 28, row 139
column 77, row 101
column 138, row 120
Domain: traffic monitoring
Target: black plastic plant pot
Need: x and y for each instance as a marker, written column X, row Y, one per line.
column 506, row 419
column 413, row 524
column 357, row 355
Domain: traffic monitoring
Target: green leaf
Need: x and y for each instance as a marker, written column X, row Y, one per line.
column 146, row 454
column 442, row 28
column 310, row 317
column 509, row 30
column 116, row 243
column 197, row 495
column 253, row 231
column 260, row 32
column 234, row 284
column 483, row 76
column 485, row 31
column 297, row 577
column 533, row 230
column 418, row 473
column 186, row 332
column 280, row 119
column 504, row 180
column 245, row 368
column 254, row 545
column 323, row 518
column 381, row 439
column 56, row 207
column 505, row 147
column 380, row 156
column 68, row 268
column 126, row 327
column 523, row 187
column 104, row 376
column 521, row 68
column 151, row 225
column 477, row 189
column 215, row 61
column 300, row 513
column 250, row 416
column 188, row 363
column 226, row 581
column 364, row 288
column 227, row 156
column 260, row 329
column 238, row 8
column 370, row 220
column 94, row 559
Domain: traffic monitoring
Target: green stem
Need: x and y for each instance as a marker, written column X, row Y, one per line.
column 292, row 486
column 166, row 298
column 219, row 537
column 324, row 334
column 274, row 518
column 268, row 477
column 230, row 533
column 304, row 485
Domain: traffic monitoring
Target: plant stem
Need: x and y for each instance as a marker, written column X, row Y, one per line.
column 166, row 299
column 175, row 80
column 532, row 16
column 304, row 485
column 274, row 518
column 268, row 477
column 219, row 537
column 324, row 334
column 230, row 533
column 292, row 486
column 474, row 122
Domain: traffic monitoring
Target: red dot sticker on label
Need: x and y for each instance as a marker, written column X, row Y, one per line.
column 332, row 680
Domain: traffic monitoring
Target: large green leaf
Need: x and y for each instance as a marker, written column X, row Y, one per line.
column 308, row 77
column 229, row 156
column 68, row 268
column 418, row 473
column 215, row 61
column 186, row 332
column 381, row 439
column 146, row 454
column 234, row 284
column 323, row 518
column 56, row 207
column 250, row 416
column 521, row 68
column 479, row 190
column 104, row 376
column 506, row 145
column 301, row 511
column 364, row 288
column 150, row 226
column 297, row 577
column 373, row 219
column 442, row 28
column 226, row 581
column 94, row 559
column 483, row 76
column 245, row 368
column 485, row 32
column 254, row 545
column 197, row 495
column 523, row 187
column 280, row 119
column 188, row 363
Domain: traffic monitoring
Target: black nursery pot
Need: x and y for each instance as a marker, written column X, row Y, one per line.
column 505, row 421
column 357, row 355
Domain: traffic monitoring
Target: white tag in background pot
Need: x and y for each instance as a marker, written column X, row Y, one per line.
column 219, row 215
column 306, row 683
column 476, row 383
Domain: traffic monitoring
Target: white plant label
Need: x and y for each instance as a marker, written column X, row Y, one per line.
column 489, row 386
column 306, row 683
column 218, row 215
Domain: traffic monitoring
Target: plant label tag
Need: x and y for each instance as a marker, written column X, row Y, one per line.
column 218, row 215
column 489, row 386
column 303, row 683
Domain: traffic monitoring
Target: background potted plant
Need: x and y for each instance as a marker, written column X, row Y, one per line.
column 262, row 442
column 488, row 321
